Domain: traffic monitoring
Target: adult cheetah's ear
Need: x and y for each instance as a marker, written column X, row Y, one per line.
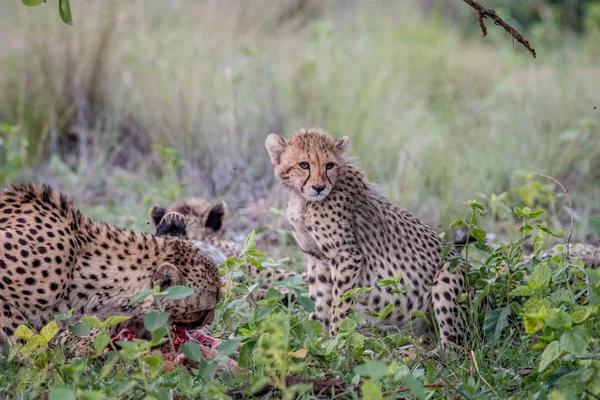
column 156, row 214
column 167, row 275
column 275, row 146
column 172, row 224
column 216, row 215
column 342, row 144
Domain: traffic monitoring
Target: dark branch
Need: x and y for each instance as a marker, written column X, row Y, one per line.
column 484, row 12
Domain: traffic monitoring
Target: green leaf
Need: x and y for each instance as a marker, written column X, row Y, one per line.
column 192, row 351
column 246, row 354
column 62, row 393
column 595, row 221
column 478, row 233
column 80, row 329
column 558, row 319
column 100, row 342
column 272, row 297
column 92, row 322
column 551, row 353
column 33, row 3
column 206, row 369
column 31, row 345
column 114, row 320
column 64, row 9
column 371, row 391
column 124, row 387
column 386, row 311
column 457, row 222
column 414, row 385
column 445, row 251
column 14, row 350
column 350, row 293
column 535, row 214
column 141, row 295
column 64, row 316
column 91, row 395
column 49, row 331
column 581, row 315
column 421, row 315
column 575, row 340
column 540, row 277
column 495, row 321
column 109, row 367
column 347, row 325
column 523, row 291
column 250, row 243
column 23, row 332
column 306, row 303
column 389, row 281
column 178, row 292
column 454, row 264
column 372, row 368
column 230, row 346
column 154, row 320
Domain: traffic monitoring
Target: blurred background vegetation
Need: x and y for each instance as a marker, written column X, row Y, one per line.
column 150, row 100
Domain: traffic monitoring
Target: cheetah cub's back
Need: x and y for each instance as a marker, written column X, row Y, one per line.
column 352, row 235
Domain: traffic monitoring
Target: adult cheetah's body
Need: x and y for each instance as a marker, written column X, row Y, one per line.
column 352, row 236
column 53, row 259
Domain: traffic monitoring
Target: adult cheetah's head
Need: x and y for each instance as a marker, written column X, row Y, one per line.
column 309, row 162
column 202, row 218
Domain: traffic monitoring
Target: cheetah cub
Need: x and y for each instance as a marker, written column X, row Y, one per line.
column 352, row 235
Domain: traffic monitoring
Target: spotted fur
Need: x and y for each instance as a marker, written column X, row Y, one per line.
column 53, row 259
column 204, row 226
column 352, row 235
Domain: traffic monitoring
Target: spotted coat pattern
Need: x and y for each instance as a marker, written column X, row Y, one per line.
column 53, row 259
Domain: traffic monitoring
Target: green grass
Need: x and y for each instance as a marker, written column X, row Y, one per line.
column 436, row 114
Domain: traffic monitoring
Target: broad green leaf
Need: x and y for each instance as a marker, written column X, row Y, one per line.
column 454, row 264
column 350, row 293
column 347, row 325
column 91, row 395
column 80, row 329
column 557, row 319
column 389, row 281
column 523, row 291
column 551, row 353
column 100, row 342
column 371, row 391
column 64, row 316
column 385, row 312
column 414, row 385
column 494, row 323
column 230, row 346
column 178, row 292
column 540, row 277
column 478, row 233
column 154, row 320
column 23, row 332
column 580, row 316
column 206, row 369
column 109, row 367
column 306, row 303
column 14, row 350
column 92, row 322
column 31, row 345
column 535, row 214
column 124, row 387
column 64, row 9
column 33, row 3
column 115, row 320
column 62, row 393
column 575, row 340
column 250, row 243
column 192, row 351
column 141, row 295
column 421, row 315
column 535, row 305
column 49, row 331
column 373, row 368
column 246, row 354
column 272, row 297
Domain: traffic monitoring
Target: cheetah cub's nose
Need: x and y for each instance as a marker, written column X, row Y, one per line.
column 319, row 188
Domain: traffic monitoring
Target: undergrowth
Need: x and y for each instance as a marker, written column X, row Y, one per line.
column 532, row 321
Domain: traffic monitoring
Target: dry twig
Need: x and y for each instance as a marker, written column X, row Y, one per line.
column 484, row 12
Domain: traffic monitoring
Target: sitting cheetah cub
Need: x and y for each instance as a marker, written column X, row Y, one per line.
column 351, row 236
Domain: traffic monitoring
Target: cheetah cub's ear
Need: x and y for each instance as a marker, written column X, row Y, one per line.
column 156, row 214
column 215, row 217
column 167, row 275
column 275, row 147
column 342, row 144
column 172, row 224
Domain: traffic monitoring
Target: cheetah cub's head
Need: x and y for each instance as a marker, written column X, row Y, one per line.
column 309, row 162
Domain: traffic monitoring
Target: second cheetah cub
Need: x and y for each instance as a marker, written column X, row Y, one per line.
column 352, row 235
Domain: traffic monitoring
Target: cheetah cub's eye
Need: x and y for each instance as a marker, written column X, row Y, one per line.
column 329, row 165
column 303, row 165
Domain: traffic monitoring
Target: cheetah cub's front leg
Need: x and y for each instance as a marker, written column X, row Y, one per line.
column 319, row 290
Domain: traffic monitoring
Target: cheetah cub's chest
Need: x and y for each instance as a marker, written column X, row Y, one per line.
column 299, row 221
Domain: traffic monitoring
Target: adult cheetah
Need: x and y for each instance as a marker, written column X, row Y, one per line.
column 204, row 227
column 352, row 235
column 54, row 259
